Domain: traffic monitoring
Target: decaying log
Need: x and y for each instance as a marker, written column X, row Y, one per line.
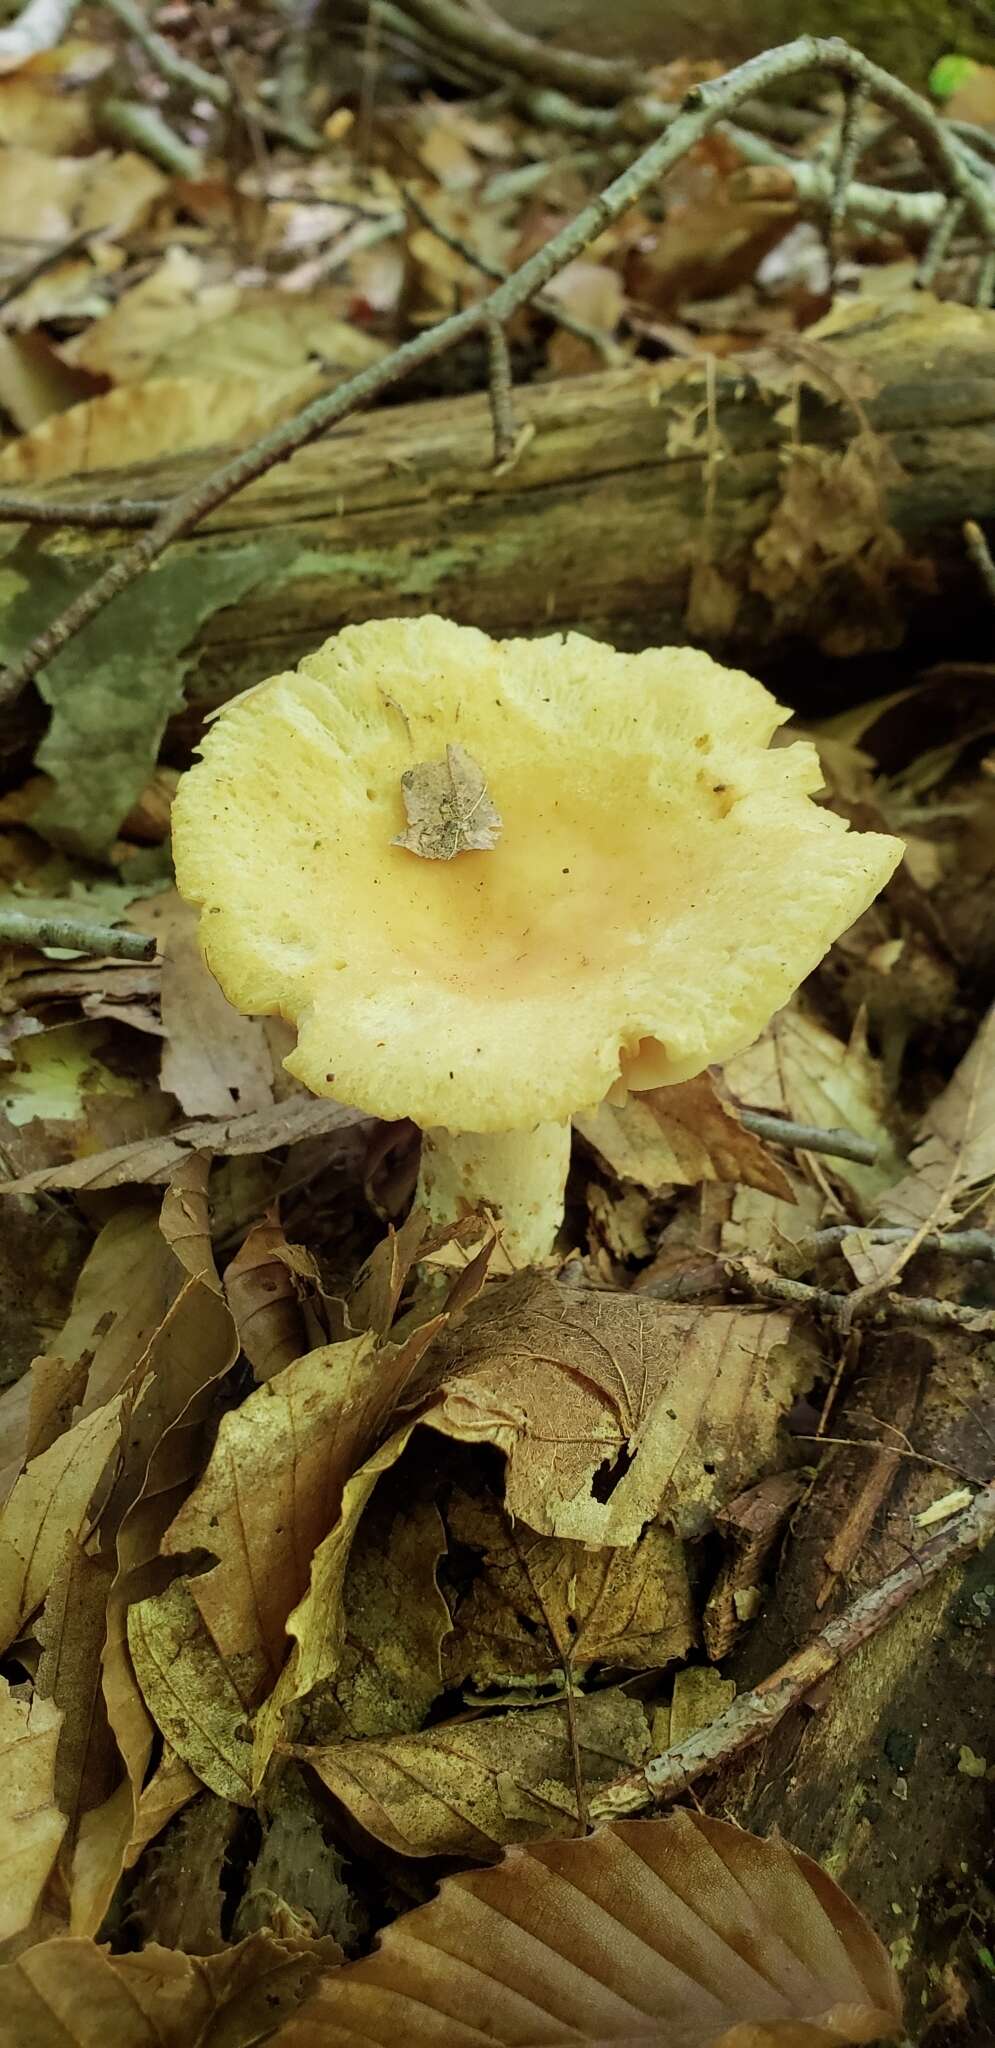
column 815, row 489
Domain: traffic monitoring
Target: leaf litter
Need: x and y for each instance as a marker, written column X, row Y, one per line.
column 329, row 1553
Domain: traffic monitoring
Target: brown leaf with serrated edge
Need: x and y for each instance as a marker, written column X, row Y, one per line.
column 448, row 808
column 537, row 1603
column 69, row 1993
column 152, row 1160
column 32, row 1821
column 468, row 1788
column 684, row 1930
column 611, row 1409
column 681, row 1135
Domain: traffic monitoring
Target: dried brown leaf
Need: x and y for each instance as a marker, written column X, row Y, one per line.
column 135, row 424
column 153, row 1160
column 537, row 1603
column 389, row 1670
column 468, row 1788
column 679, row 1136
column 447, row 808
column 612, row 1409
column 69, row 1993
column 189, row 1691
column 799, row 1069
column 216, row 1062
column 32, row 1822
column 955, row 1153
column 682, row 1930
column 263, row 1286
column 71, row 1631
column 271, row 1492
column 57, row 1495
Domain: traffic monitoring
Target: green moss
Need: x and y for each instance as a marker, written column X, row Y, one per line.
column 906, row 36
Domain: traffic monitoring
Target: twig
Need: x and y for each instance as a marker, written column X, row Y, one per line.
column 102, row 512
column 940, row 240
column 165, row 58
column 954, row 1244
column 849, row 150
column 986, row 279
column 704, row 106
column 780, row 1130
column 756, row 1713
column 761, row 1283
column 542, row 300
column 499, row 390
column 136, row 122
column 980, row 553
column 24, row 928
column 511, row 50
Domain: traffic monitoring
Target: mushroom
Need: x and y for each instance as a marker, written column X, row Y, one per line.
column 606, row 881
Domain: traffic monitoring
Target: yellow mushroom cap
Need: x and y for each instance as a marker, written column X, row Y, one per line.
column 661, row 884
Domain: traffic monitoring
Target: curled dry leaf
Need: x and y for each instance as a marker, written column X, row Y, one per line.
column 683, row 1930
column 56, row 1496
column 70, row 1991
column 189, row 1690
column 263, row 1285
column 152, row 1160
column 32, row 1822
column 681, row 1135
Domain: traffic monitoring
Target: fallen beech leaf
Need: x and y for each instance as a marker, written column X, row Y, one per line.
column 684, row 1931
column 537, row 1603
column 798, row 1069
column 69, row 1991
column 448, row 808
column 189, row 1691
column 51, row 197
column 681, row 1135
column 468, row 1788
column 53, row 1498
column 33, row 382
column 611, row 1409
column 33, row 1825
column 152, row 1160
column 136, row 424
column 272, row 1490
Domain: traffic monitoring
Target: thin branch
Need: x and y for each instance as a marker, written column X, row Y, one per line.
column 73, row 935
column 165, row 58
column 780, row 1130
column 702, row 109
column 142, row 125
column 501, row 395
column 39, row 26
column 761, row 1283
column 980, row 553
column 954, row 1244
column 755, row 1714
column 598, row 339
column 849, row 150
column 101, row 513
column 940, row 239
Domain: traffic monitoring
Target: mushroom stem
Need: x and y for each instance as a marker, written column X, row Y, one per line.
column 520, row 1176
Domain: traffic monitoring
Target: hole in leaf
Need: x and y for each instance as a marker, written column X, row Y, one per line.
column 608, row 1474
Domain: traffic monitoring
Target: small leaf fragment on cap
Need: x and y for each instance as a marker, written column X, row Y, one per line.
column 448, row 808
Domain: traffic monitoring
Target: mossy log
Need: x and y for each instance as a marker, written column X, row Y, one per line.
column 810, row 494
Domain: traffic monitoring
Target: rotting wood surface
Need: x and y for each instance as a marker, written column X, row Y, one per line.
column 830, row 513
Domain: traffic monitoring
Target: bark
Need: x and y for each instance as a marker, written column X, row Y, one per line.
column 828, row 514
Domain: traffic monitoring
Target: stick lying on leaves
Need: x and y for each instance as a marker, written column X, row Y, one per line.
column 756, row 1713
column 703, row 108
column 74, row 935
